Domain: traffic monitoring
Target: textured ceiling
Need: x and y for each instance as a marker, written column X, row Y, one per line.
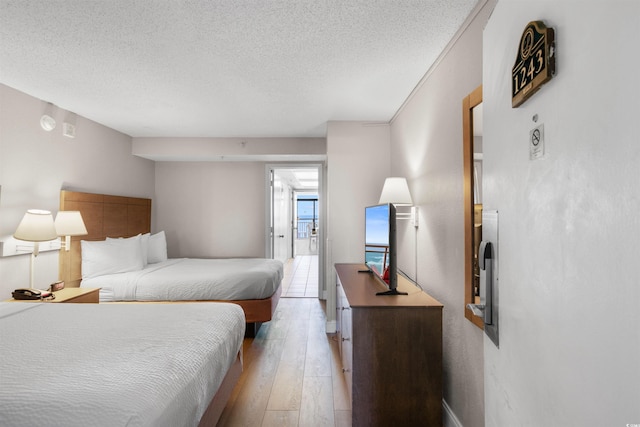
column 243, row 68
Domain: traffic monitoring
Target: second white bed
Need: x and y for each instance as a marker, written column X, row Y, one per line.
column 184, row 279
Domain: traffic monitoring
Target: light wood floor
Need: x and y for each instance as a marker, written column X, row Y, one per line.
column 292, row 373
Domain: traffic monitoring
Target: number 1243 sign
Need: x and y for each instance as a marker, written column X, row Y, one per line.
column 535, row 63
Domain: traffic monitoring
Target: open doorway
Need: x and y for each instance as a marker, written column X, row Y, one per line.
column 306, row 223
column 296, row 226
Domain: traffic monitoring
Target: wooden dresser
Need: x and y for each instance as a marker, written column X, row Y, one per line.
column 391, row 350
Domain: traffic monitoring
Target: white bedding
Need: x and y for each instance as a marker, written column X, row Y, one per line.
column 114, row 364
column 183, row 279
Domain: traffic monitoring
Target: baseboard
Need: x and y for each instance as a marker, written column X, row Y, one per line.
column 331, row 327
column 450, row 419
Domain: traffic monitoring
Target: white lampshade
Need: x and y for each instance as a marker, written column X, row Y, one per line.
column 36, row 226
column 396, row 191
column 70, row 223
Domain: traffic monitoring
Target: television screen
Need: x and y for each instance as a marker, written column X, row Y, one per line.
column 380, row 245
column 377, row 255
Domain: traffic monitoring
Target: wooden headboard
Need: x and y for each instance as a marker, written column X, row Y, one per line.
column 104, row 216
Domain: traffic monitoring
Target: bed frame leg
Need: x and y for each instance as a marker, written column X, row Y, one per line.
column 252, row 329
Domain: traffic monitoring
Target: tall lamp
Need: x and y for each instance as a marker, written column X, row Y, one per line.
column 69, row 223
column 36, row 226
column 396, row 191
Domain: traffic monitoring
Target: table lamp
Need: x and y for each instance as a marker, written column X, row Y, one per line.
column 69, row 223
column 36, row 226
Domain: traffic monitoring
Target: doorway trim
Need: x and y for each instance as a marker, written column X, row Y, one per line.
column 269, row 237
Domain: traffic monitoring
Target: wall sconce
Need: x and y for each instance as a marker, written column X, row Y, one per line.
column 47, row 121
column 69, row 223
column 396, row 191
column 36, row 226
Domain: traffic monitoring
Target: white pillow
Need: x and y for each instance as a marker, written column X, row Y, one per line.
column 111, row 256
column 157, row 248
column 144, row 245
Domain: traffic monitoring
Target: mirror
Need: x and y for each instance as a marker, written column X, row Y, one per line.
column 472, row 170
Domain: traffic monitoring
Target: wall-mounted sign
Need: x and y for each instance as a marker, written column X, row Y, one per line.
column 536, row 142
column 535, row 63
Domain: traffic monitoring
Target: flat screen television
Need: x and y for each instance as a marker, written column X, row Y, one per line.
column 380, row 249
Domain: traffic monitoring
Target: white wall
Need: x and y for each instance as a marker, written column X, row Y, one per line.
column 211, row 209
column 569, row 225
column 426, row 147
column 35, row 165
column 357, row 165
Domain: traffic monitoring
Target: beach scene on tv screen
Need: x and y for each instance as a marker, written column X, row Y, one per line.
column 377, row 237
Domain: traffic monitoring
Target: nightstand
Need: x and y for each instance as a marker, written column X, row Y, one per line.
column 75, row 295
column 78, row 295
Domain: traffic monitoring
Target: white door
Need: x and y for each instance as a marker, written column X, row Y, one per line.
column 281, row 219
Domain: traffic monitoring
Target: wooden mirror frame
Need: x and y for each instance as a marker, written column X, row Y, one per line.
column 468, row 103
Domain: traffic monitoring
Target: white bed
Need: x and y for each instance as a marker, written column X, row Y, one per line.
column 189, row 279
column 116, row 221
column 115, row 364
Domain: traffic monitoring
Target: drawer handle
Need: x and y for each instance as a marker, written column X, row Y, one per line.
column 345, row 370
column 346, row 339
column 345, row 308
